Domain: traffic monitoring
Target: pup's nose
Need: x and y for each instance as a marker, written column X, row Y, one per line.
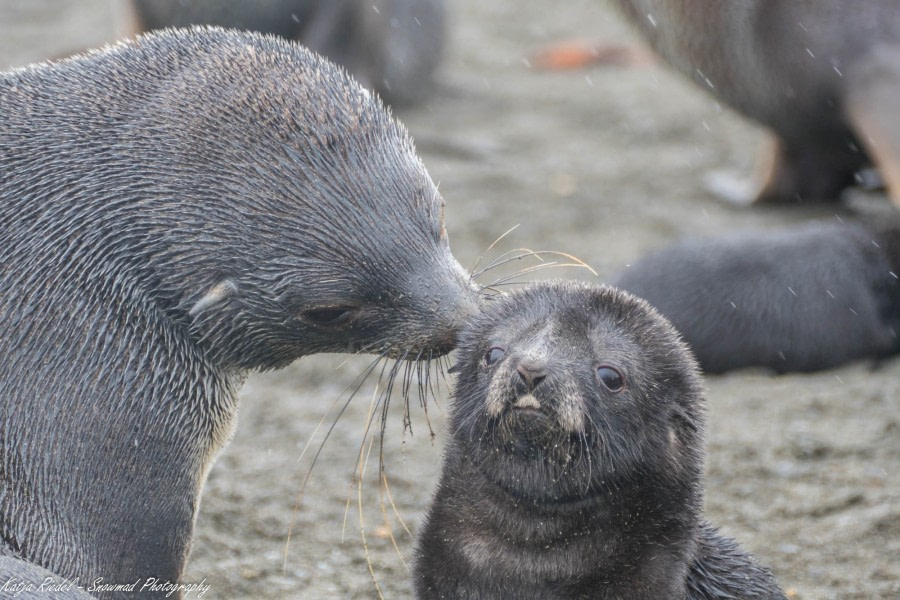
column 532, row 373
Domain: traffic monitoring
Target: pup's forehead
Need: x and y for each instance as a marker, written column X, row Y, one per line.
column 573, row 322
column 542, row 324
column 537, row 340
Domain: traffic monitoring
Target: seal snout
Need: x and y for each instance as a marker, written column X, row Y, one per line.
column 451, row 300
column 532, row 372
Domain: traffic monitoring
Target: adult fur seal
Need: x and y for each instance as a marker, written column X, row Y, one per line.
column 802, row 299
column 575, row 461
column 823, row 75
column 175, row 211
column 391, row 46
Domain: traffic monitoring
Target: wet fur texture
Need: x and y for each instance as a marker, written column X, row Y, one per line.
column 534, row 504
column 174, row 211
column 391, row 46
column 803, row 299
column 822, row 75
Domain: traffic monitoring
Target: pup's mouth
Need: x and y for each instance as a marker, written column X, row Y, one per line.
column 528, row 428
column 527, row 403
column 528, row 415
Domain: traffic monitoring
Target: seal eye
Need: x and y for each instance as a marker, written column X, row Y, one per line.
column 330, row 316
column 611, row 378
column 493, row 355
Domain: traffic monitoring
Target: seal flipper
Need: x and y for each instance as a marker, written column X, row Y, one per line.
column 720, row 571
column 790, row 172
column 807, row 171
column 871, row 107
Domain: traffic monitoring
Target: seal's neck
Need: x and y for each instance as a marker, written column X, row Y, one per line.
column 595, row 543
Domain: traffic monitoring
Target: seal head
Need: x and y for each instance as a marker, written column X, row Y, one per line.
column 557, row 387
column 263, row 199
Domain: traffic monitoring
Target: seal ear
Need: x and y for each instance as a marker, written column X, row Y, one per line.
column 683, row 419
column 684, row 429
column 214, row 295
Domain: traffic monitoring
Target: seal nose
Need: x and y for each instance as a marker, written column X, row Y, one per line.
column 454, row 306
column 532, row 373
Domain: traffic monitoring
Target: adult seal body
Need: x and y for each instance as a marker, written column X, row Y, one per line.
column 575, row 461
column 391, row 46
column 824, row 76
column 802, row 299
column 176, row 211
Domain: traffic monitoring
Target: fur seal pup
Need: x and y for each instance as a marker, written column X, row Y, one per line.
column 803, row 299
column 175, row 211
column 575, row 460
column 823, row 75
column 391, row 46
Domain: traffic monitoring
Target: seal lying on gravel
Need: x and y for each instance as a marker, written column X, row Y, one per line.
column 575, row 461
column 391, row 46
column 824, row 75
column 175, row 211
column 802, row 299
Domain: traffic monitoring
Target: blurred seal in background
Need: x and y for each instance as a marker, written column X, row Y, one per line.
column 822, row 75
column 801, row 299
column 391, row 46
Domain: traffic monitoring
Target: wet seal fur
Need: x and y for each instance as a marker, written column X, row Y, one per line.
column 803, row 299
column 575, row 461
column 391, row 46
column 823, row 75
column 176, row 211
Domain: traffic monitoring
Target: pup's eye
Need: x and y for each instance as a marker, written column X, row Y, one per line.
column 330, row 316
column 611, row 378
column 493, row 355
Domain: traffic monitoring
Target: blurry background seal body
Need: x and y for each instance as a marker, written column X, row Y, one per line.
column 806, row 298
column 823, row 75
column 391, row 46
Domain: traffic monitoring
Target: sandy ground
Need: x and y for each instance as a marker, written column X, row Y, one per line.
column 606, row 164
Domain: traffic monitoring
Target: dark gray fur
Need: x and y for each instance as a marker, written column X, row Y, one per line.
column 392, row 46
column 536, row 504
column 175, row 211
column 802, row 299
column 822, row 74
